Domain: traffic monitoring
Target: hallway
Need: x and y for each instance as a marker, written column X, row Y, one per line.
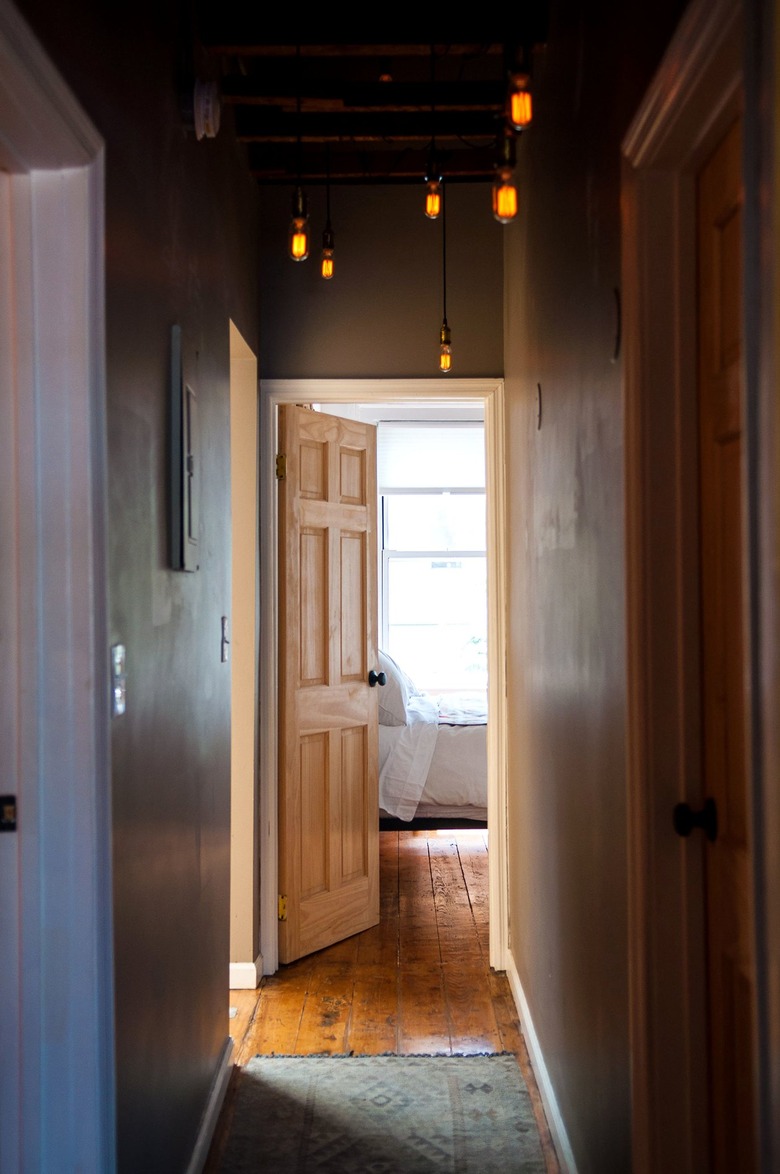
column 419, row 982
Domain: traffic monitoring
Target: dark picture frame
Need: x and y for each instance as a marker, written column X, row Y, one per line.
column 184, row 464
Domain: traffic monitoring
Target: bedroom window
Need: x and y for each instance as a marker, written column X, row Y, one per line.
column 431, row 480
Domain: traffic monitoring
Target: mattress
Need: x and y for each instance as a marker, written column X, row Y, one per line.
column 434, row 763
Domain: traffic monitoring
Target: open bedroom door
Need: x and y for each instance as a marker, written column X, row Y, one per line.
column 328, row 735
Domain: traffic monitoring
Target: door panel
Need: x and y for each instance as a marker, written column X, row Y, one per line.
column 731, row 966
column 328, row 761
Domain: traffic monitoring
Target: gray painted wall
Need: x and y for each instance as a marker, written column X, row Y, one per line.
column 181, row 246
column 379, row 316
column 567, row 682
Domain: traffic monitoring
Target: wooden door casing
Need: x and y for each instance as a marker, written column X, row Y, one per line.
column 328, row 751
column 730, row 950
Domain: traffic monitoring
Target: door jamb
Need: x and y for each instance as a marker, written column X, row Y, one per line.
column 692, row 99
column 490, row 392
column 56, row 980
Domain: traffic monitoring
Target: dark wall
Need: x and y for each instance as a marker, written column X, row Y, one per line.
column 567, row 677
column 380, row 314
column 181, row 246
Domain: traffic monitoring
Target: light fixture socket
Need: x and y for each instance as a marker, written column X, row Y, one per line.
column 206, row 109
column 506, row 151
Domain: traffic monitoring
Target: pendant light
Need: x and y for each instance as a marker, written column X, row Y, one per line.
column 328, row 243
column 520, row 105
column 298, row 241
column 298, row 236
column 445, row 335
column 504, row 190
column 433, row 189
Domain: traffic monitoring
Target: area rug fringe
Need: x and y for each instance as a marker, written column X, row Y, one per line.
column 376, row 1055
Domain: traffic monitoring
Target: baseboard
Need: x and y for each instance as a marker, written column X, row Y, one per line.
column 213, row 1108
column 245, row 976
column 546, row 1091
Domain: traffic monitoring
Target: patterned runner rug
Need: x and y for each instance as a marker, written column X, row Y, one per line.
column 382, row 1115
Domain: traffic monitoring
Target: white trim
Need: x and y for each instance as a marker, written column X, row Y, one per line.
column 210, row 1118
column 691, row 100
column 551, row 1109
column 63, row 953
column 243, row 649
column 245, row 976
column 491, row 393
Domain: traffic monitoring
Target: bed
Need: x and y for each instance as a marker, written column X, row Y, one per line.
column 432, row 752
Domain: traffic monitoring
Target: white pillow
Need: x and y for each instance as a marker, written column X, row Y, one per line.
column 394, row 696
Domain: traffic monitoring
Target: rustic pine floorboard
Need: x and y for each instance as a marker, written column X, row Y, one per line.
column 419, row 982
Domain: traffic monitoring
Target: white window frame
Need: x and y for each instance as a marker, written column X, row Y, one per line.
column 386, row 553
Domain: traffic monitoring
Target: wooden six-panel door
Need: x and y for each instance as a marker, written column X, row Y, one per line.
column 731, row 962
column 328, row 757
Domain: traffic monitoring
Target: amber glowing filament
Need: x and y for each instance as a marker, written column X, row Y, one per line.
column 504, row 197
column 445, row 347
column 432, row 198
column 520, row 108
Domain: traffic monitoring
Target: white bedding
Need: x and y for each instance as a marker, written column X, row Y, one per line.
column 437, row 762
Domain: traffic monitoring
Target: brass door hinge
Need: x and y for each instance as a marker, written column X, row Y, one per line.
column 281, row 466
column 282, row 908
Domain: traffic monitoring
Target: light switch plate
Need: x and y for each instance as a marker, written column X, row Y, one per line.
column 118, row 680
column 225, row 645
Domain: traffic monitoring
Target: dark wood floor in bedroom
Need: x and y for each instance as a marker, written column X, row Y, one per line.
column 420, row 981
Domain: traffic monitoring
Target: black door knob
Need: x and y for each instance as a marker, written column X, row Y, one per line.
column 375, row 678
column 685, row 819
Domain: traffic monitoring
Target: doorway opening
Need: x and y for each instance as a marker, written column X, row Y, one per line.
column 486, row 395
column 431, row 526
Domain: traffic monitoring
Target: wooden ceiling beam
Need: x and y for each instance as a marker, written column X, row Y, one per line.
column 265, row 124
column 260, row 90
column 277, row 165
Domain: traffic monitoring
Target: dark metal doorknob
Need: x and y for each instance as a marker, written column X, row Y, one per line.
column 685, row 819
column 375, row 678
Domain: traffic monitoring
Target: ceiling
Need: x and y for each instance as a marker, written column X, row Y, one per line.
column 367, row 112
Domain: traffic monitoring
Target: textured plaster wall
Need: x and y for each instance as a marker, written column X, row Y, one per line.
column 567, row 677
column 181, row 237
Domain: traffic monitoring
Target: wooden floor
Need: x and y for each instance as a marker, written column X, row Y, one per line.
column 419, row 982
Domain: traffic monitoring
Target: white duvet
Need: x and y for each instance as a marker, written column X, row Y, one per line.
column 439, row 757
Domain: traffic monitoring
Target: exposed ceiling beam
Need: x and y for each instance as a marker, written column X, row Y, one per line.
column 263, row 89
column 260, row 124
column 279, row 165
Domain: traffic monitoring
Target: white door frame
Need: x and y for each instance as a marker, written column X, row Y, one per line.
column 489, row 393
column 57, row 1082
column 246, row 966
column 694, row 96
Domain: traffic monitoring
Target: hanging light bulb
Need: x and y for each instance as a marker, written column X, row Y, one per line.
column 445, row 347
column 327, row 267
column 328, row 244
column 433, row 191
column 327, row 252
column 432, row 195
column 520, row 105
column 504, row 196
column 504, row 190
column 445, row 335
column 299, row 226
column 298, row 236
